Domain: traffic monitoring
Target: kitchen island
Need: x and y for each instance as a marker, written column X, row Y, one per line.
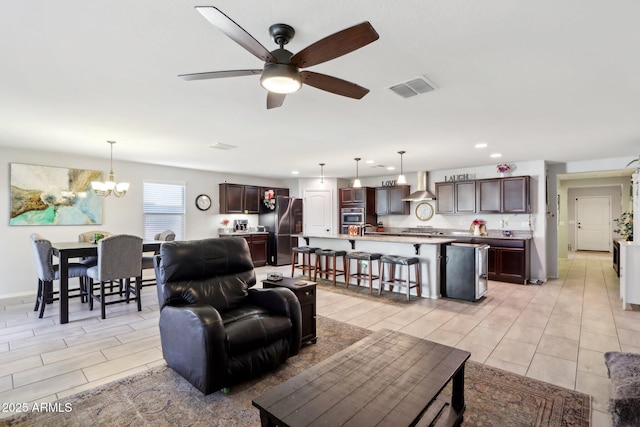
column 426, row 248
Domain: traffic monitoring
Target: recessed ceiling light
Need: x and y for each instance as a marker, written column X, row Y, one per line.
column 371, row 161
column 496, row 155
column 294, row 172
column 481, row 145
column 391, row 168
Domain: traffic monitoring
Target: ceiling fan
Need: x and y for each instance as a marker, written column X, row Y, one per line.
column 281, row 73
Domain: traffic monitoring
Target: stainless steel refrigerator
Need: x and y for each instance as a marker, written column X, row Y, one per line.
column 282, row 222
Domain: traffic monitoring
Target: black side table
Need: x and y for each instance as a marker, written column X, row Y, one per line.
column 306, row 294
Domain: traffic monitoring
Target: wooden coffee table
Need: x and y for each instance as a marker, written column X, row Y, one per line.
column 386, row 379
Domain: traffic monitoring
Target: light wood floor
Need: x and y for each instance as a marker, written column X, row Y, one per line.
column 556, row 332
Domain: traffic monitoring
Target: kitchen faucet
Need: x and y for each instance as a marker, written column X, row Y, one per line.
column 364, row 227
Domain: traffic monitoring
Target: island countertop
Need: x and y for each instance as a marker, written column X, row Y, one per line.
column 422, row 240
column 426, row 249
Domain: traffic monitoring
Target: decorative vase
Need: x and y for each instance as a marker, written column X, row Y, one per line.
column 501, row 174
column 476, row 230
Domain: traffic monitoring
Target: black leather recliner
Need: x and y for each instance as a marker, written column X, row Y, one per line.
column 215, row 330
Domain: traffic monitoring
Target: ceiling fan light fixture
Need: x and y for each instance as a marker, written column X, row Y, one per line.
column 280, row 78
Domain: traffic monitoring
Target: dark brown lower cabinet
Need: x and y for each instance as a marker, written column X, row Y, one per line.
column 259, row 249
column 258, row 245
column 509, row 260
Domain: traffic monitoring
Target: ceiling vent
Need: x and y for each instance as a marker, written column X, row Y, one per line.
column 413, row 87
column 221, row 146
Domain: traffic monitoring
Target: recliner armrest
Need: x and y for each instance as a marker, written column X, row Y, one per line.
column 283, row 302
column 194, row 344
column 272, row 299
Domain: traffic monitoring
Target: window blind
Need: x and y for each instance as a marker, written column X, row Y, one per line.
column 164, row 209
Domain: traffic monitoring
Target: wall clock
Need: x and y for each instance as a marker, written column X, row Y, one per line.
column 424, row 211
column 203, row 202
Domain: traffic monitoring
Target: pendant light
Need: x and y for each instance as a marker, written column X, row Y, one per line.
column 321, row 173
column 401, row 178
column 356, row 182
column 110, row 187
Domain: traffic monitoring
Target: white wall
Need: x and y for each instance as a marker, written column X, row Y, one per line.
column 121, row 215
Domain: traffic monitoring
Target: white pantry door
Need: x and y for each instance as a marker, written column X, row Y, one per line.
column 318, row 212
column 593, row 223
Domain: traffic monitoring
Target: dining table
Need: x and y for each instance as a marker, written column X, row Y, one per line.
column 68, row 250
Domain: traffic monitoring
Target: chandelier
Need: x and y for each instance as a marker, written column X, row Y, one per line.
column 110, row 187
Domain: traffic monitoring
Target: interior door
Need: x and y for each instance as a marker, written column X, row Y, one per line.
column 593, row 223
column 318, row 212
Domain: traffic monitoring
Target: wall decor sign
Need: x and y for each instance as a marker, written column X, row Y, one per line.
column 46, row 195
column 459, row 177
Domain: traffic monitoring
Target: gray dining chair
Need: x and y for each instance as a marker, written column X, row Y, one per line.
column 87, row 236
column 166, row 236
column 147, row 260
column 90, row 261
column 47, row 272
column 119, row 258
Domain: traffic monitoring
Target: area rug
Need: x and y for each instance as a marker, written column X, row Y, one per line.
column 160, row 397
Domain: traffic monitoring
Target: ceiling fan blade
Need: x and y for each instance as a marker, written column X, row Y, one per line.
column 333, row 84
column 219, row 74
column 335, row 45
column 235, row 32
column 275, row 100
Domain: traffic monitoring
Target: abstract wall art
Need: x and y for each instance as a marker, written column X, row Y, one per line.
column 46, row 195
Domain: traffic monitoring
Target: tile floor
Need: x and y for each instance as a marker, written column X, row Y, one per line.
column 556, row 332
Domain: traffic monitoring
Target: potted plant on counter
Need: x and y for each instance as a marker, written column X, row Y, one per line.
column 625, row 226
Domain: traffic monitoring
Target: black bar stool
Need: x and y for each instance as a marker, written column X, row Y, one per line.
column 391, row 261
column 329, row 268
column 305, row 254
column 360, row 258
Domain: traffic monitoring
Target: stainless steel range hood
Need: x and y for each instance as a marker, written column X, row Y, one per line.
column 422, row 193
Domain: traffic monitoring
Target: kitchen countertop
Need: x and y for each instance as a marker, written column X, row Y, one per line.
column 240, row 233
column 453, row 234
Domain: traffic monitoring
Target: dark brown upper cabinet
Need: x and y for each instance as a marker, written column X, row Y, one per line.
column 389, row 200
column 352, row 196
column 251, row 199
column 231, row 198
column 240, row 199
column 456, row 197
column 503, row 195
